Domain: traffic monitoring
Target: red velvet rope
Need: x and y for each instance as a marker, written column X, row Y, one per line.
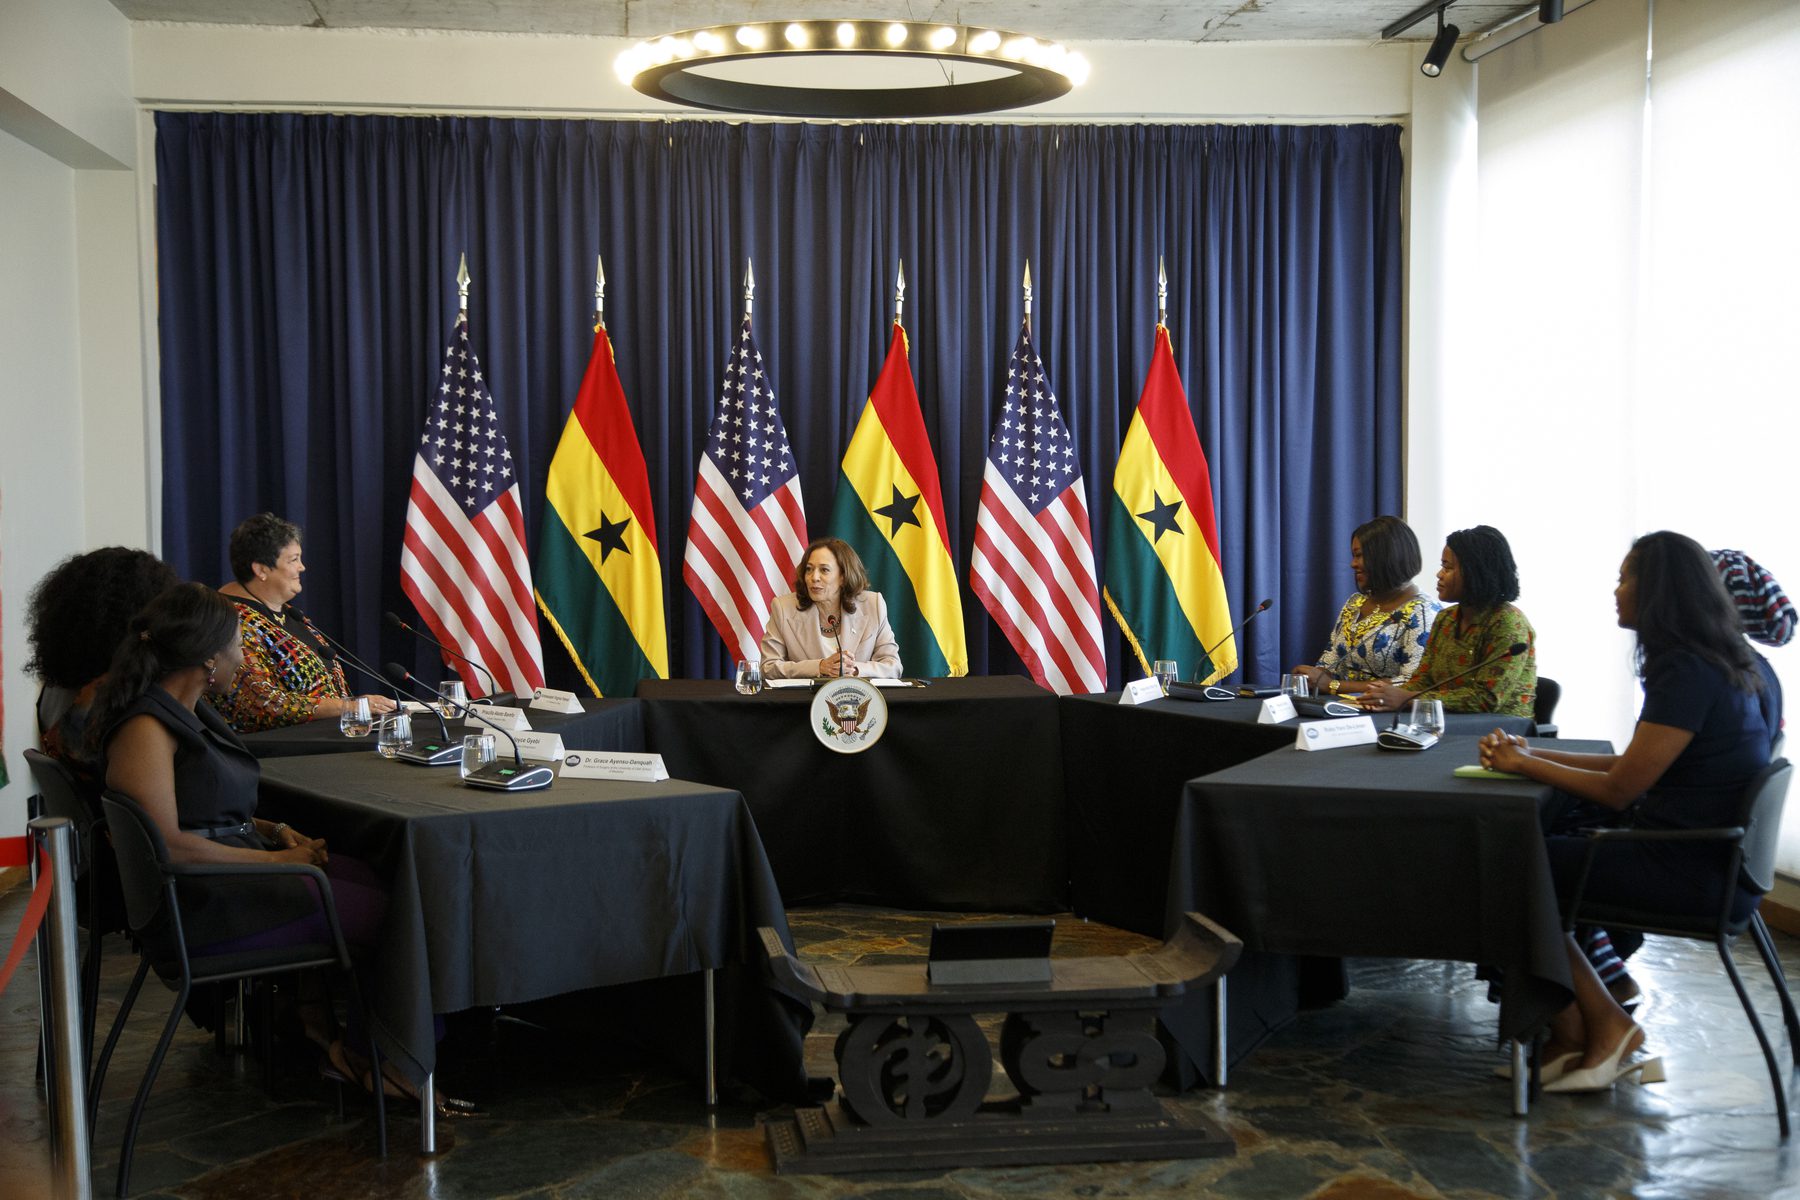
column 14, row 852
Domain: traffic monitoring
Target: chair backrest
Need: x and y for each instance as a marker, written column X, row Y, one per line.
column 1543, row 709
column 63, row 794
column 141, row 852
column 1760, row 816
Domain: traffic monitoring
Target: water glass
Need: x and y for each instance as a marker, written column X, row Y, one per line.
column 1428, row 716
column 355, row 721
column 1296, row 685
column 455, row 699
column 1167, row 671
column 396, row 734
column 477, row 752
column 749, row 677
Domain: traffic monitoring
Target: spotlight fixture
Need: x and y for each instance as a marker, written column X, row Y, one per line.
column 669, row 68
column 1441, row 45
column 1550, row 11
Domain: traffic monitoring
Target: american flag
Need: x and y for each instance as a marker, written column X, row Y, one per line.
column 1034, row 548
column 748, row 526
column 462, row 562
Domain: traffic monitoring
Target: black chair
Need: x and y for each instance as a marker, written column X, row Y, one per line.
column 1543, row 709
column 61, row 794
column 1747, row 855
column 153, row 908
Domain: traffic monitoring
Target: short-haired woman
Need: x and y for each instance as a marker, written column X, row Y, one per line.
column 1466, row 663
column 831, row 623
column 291, row 674
column 1383, row 628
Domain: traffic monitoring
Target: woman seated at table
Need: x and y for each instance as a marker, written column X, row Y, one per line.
column 831, row 623
column 1382, row 630
column 1466, row 664
column 77, row 614
column 291, row 675
column 1711, row 710
column 167, row 750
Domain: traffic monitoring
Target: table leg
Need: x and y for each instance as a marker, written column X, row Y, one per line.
column 1221, row 1039
column 1521, row 1079
column 712, row 1075
column 428, row 1115
column 240, row 1036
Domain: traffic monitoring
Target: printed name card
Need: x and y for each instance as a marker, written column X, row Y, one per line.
column 1275, row 710
column 545, row 747
column 613, row 764
column 1330, row 735
column 551, row 700
column 505, row 716
column 1142, row 691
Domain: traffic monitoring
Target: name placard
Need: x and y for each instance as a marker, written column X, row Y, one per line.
column 551, row 700
column 1142, row 691
column 1330, row 735
column 613, row 764
column 1275, row 710
column 505, row 716
column 545, row 747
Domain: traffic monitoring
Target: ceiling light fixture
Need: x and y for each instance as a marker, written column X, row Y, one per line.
column 1441, row 45
column 667, row 68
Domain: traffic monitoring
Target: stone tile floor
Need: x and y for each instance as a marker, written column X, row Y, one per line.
column 1387, row 1095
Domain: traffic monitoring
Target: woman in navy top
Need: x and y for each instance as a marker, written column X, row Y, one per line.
column 1711, row 712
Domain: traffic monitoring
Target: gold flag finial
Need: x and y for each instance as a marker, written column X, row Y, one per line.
column 462, row 282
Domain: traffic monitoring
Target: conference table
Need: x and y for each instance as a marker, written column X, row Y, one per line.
column 958, row 806
column 1365, row 852
column 503, row 898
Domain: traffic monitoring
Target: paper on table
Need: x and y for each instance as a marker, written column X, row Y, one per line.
column 787, row 683
column 1472, row 771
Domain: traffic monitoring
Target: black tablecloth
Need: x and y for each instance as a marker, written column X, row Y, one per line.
column 499, row 898
column 1361, row 851
column 959, row 806
column 602, row 725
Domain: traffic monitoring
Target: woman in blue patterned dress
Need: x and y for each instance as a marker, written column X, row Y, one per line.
column 1382, row 629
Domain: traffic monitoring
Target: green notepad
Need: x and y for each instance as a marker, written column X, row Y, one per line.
column 1471, row 771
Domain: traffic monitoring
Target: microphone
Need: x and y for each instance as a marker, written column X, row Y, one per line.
column 1196, row 691
column 831, row 627
column 1514, row 649
column 505, row 777
column 393, row 621
column 1396, row 738
column 343, row 652
column 1258, row 611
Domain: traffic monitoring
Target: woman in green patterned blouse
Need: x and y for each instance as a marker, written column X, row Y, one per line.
column 1479, row 579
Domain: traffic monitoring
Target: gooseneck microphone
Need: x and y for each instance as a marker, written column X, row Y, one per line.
column 1394, row 737
column 515, row 776
column 1255, row 613
column 393, row 621
column 831, row 627
column 343, row 652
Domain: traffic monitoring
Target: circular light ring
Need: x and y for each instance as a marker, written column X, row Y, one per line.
column 1044, row 74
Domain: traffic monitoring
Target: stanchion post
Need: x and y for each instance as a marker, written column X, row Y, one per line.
column 69, row 1164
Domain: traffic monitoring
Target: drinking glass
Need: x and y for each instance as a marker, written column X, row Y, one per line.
column 396, row 734
column 1428, row 716
column 749, row 677
column 1167, row 671
column 355, row 721
column 455, row 697
column 1296, row 685
column 477, row 752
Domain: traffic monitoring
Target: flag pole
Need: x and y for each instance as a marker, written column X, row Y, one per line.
column 1028, row 294
column 749, row 286
column 1162, row 293
column 599, row 292
column 899, row 290
column 462, row 284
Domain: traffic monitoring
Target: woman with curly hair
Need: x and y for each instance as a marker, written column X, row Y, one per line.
column 291, row 674
column 75, row 618
column 1466, row 664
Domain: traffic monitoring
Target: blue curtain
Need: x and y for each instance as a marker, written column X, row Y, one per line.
column 306, row 272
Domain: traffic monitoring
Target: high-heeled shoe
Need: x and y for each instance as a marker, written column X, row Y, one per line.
column 1604, row 1075
column 1549, row 1071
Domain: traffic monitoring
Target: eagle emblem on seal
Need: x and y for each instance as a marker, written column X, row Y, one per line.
column 849, row 711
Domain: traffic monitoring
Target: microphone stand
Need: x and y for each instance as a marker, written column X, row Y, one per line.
column 393, row 621
column 428, row 755
column 515, row 776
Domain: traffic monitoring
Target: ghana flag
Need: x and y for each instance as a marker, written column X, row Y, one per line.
column 890, row 506
column 598, row 574
column 1163, row 582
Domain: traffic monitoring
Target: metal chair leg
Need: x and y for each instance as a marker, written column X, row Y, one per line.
column 129, row 1146
column 1765, row 946
column 427, row 1114
column 1221, row 1037
column 112, row 1040
column 712, row 1067
column 1775, row 1080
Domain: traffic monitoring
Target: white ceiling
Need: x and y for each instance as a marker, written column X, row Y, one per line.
column 1095, row 20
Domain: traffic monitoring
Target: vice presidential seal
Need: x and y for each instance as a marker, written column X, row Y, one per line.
column 848, row 715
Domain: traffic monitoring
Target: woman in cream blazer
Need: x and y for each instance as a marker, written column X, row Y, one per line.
column 830, row 624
